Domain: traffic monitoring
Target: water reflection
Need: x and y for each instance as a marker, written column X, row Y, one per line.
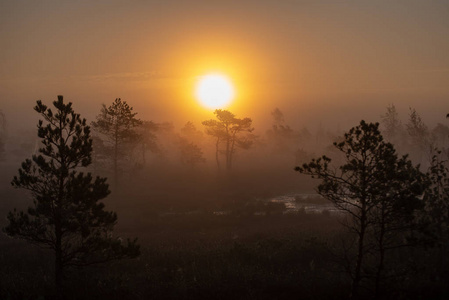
column 309, row 203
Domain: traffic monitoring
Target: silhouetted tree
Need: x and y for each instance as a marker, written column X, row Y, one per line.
column 117, row 123
column 282, row 137
column 434, row 219
column 190, row 132
column 437, row 200
column 101, row 153
column 278, row 116
column 67, row 216
column 418, row 133
column 391, row 123
column 439, row 137
column 147, row 138
column 377, row 190
column 191, row 153
column 228, row 129
column 167, row 142
column 215, row 129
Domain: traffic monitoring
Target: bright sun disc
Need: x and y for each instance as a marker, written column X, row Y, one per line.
column 214, row 91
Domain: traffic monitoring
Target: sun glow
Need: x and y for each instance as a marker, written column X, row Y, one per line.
column 214, row 91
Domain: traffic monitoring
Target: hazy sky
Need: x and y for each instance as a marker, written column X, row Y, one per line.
column 334, row 62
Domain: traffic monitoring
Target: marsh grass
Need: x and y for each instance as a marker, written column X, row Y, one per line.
column 205, row 256
column 188, row 252
column 199, row 256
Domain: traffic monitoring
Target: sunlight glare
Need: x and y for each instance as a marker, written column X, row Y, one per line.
column 214, row 91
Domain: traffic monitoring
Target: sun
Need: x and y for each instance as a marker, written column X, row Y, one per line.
column 214, row 91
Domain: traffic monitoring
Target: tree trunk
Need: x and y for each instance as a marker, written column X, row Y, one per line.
column 216, row 153
column 381, row 255
column 58, row 242
column 360, row 254
column 116, row 160
column 379, row 272
column 228, row 167
column 232, row 151
column 58, row 266
column 58, row 215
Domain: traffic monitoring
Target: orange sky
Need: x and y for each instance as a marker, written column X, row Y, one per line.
column 330, row 62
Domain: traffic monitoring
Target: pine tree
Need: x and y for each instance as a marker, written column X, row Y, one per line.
column 392, row 124
column 377, row 190
column 228, row 129
column 67, row 216
column 117, row 123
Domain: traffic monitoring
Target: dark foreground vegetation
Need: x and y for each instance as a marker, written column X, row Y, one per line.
column 204, row 256
column 209, row 232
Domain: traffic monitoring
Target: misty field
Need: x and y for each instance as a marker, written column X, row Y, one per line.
column 213, row 150
column 189, row 251
column 204, row 256
column 238, row 222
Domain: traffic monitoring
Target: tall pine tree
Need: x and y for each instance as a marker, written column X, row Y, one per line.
column 66, row 216
column 118, row 126
column 379, row 193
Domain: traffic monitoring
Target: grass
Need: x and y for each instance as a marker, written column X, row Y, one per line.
column 190, row 257
column 205, row 256
column 188, row 252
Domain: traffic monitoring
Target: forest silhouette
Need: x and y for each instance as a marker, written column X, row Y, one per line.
column 218, row 209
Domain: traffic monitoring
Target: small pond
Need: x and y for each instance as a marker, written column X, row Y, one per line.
column 310, row 203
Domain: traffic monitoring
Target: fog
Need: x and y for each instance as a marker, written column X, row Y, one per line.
column 212, row 196
column 314, row 60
